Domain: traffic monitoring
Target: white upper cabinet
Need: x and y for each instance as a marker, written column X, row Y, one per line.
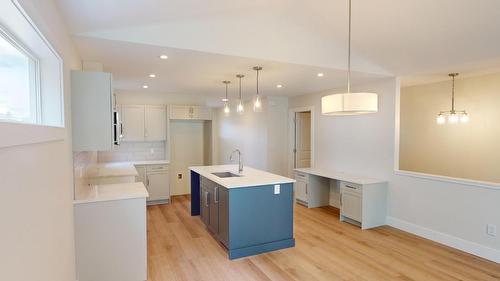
column 188, row 112
column 144, row 122
column 155, row 123
column 133, row 122
column 92, row 111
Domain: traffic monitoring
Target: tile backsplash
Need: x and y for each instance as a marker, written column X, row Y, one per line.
column 81, row 160
column 134, row 151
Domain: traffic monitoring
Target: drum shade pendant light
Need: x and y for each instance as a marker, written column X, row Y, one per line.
column 453, row 115
column 257, row 103
column 349, row 103
column 239, row 107
column 227, row 109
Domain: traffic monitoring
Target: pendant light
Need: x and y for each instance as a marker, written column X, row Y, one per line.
column 257, row 104
column 240, row 108
column 227, row 109
column 453, row 115
column 349, row 103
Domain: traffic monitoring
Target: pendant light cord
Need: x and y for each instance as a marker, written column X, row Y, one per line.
column 453, row 95
column 349, row 54
column 226, row 92
column 240, row 87
column 257, row 82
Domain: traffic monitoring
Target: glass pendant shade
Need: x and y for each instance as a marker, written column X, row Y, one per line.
column 227, row 109
column 440, row 119
column 464, row 118
column 453, row 118
column 240, row 108
column 257, row 104
column 349, row 104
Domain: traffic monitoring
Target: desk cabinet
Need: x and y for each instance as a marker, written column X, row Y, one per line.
column 311, row 191
column 363, row 205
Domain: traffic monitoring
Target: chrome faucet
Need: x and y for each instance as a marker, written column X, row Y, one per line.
column 240, row 164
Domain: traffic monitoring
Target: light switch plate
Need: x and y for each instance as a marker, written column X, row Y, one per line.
column 277, row 188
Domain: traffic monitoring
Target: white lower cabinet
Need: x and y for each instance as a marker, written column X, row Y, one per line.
column 363, row 204
column 157, row 181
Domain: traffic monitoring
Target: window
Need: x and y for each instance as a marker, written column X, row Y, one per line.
column 31, row 81
column 18, row 82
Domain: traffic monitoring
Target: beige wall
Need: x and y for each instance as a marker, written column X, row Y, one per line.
column 36, row 183
column 468, row 150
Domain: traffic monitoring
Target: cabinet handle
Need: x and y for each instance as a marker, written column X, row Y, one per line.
column 341, row 199
column 349, row 186
column 147, row 182
column 306, row 188
column 216, row 195
column 206, row 198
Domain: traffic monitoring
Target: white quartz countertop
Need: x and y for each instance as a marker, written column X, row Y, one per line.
column 110, row 192
column 119, row 169
column 249, row 176
column 339, row 176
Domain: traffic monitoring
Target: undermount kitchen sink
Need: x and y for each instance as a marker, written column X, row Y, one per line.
column 226, row 175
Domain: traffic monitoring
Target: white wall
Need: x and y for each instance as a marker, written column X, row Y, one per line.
column 36, row 184
column 261, row 137
column 451, row 213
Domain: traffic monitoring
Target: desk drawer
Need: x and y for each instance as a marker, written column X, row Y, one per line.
column 302, row 176
column 155, row 168
column 353, row 187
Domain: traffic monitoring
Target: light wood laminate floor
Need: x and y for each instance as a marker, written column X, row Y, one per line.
column 180, row 248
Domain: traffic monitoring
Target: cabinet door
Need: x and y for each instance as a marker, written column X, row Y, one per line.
column 204, row 205
column 224, row 216
column 201, row 113
column 214, row 209
column 158, row 186
column 301, row 191
column 351, row 205
column 155, row 123
column 180, row 112
column 91, row 109
column 133, row 122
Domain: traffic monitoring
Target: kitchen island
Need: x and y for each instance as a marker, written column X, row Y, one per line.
column 249, row 212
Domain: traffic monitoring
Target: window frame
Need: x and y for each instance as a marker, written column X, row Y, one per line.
column 49, row 128
column 35, row 90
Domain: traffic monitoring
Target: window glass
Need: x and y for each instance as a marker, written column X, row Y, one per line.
column 18, row 98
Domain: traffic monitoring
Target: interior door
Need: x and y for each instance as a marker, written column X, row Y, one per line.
column 302, row 139
column 133, row 122
column 156, row 123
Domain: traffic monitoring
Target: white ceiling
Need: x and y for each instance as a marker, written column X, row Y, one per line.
column 420, row 40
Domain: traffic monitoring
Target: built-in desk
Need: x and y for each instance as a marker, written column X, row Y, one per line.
column 363, row 200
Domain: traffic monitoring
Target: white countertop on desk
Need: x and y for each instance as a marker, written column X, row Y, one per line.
column 249, row 176
column 110, row 192
column 339, row 176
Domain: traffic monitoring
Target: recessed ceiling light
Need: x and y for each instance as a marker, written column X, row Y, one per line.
column 145, row 86
column 279, row 86
column 152, row 75
column 320, row 74
column 224, row 100
column 163, row 57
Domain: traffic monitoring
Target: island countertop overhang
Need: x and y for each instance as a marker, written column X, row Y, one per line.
column 249, row 177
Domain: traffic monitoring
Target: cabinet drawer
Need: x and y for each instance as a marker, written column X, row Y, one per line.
column 302, row 176
column 353, row 187
column 155, row 168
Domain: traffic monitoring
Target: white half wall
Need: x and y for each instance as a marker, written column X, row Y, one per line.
column 449, row 213
column 36, row 183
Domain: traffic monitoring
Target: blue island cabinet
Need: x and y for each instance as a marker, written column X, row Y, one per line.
column 247, row 220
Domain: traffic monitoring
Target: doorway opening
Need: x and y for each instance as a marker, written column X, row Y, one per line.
column 301, row 138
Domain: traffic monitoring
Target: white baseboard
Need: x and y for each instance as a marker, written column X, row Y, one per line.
column 446, row 239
